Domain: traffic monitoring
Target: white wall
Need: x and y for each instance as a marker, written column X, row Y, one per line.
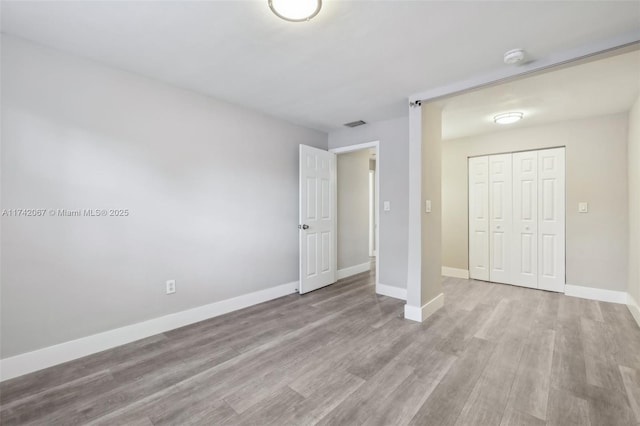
column 394, row 187
column 431, row 189
column 353, row 208
column 212, row 191
column 596, row 172
column 633, row 286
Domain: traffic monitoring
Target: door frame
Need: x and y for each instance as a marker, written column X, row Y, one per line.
column 373, row 219
column 358, row 147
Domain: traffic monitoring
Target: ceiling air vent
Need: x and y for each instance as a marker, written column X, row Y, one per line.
column 355, row 123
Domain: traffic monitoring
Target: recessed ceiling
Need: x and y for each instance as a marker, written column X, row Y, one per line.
column 356, row 59
column 605, row 86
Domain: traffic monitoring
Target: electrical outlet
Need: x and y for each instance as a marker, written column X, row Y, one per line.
column 171, row 286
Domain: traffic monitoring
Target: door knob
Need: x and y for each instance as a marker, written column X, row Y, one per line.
column 498, row 227
column 303, row 226
column 526, row 228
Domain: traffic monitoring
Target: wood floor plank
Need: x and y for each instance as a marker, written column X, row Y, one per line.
column 475, row 293
column 459, row 338
column 319, row 376
column 492, row 328
column 68, row 372
column 591, row 309
column 40, row 404
column 326, row 396
column 548, row 305
column 127, row 393
column 254, row 389
column 600, row 363
column 273, row 410
column 569, row 308
column 608, row 407
column 513, row 417
column 359, row 406
column 568, row 369
column 447, row 400
column 631, row 380
column 380, row 355
column 402, row 404
column 131, row 419
column 494, row 354
column 530, row 390
column 214, row 381
column 487, row 401
column 566, row 409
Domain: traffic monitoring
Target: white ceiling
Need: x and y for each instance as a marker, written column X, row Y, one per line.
column 355, row 60
column 605, row 86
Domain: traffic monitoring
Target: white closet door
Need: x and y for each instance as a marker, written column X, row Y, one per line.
column 500, row 217
column 525, row 219
column 551, row 218
column 479, row 218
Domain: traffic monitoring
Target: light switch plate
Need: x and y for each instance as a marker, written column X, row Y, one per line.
column 427, row 206
column 583, row 207
column 387, row 206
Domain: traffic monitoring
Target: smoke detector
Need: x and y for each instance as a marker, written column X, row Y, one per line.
column 514, row 56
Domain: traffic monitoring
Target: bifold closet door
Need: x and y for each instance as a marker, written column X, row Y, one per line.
column 525, row 219
column 517, row 218
column 551, row 219
column 479, row 218
column 500, row 218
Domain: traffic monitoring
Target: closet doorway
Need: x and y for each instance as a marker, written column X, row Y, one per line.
column 517, row 218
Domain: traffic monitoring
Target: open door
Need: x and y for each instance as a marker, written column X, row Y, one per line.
column 318, row 198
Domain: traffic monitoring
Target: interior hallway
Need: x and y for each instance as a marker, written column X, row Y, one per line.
column 494, row 355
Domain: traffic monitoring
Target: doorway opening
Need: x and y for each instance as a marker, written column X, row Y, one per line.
column 358, row 209
column 585, row 248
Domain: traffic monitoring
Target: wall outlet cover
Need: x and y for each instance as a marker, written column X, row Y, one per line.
column 171, row 286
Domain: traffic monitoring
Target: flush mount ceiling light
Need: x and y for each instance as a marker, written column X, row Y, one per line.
column 295, row 10
column 508, row 117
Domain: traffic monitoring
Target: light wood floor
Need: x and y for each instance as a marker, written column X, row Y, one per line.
column 495, row 355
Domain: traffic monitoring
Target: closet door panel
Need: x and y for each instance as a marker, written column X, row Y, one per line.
column 525, row 219
column 551, row 219
column 479, row 218
column 500, row 217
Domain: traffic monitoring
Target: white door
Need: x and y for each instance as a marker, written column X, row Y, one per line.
column 525, row 219
column 479, row 218
column 500, row 212
column 551, row 218
column 317, row 226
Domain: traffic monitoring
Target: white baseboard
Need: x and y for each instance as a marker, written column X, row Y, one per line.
column 595, row 294
column 353, row 270
column 391, row 291
column 633, row 306
column 46, row 357
column 455, row 272
column 418, row 314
